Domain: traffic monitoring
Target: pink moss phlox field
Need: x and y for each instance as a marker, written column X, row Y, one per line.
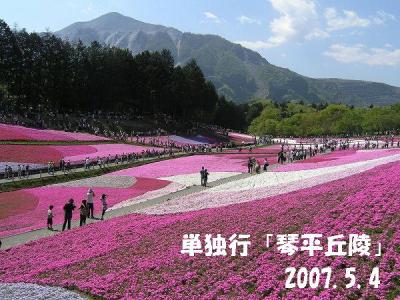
column 240, row 137
column 103, row 150
column 186, row 165
column 31, row 153
column 178, row 140
column 75, row 153
column 273, row 149
column 147, row 181
column 191, row 140
column 35, row 216
column 138, row 256
column 21, row 133
column 336, row 158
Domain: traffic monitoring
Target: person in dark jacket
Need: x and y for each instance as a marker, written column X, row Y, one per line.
column 83, row 211
column 206, row 177
column 68, row 209
column 202, row 176
column 266, row 164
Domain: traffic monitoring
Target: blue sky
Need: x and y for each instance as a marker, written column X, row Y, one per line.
column 352, row 39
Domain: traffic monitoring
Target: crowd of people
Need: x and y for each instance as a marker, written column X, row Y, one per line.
column 254, row 166
column 23, row 171
column 86, row 210
column 121, row 126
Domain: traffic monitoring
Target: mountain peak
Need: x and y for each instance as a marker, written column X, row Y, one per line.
column 113, row 18
column 112, row 14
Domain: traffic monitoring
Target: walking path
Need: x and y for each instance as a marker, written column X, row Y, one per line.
column 82, row 168
column 23, row 238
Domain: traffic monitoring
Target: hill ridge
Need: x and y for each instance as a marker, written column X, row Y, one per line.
column 238, row 73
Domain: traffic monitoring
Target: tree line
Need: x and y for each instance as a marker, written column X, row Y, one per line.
column 298, row 119
column 42, row 69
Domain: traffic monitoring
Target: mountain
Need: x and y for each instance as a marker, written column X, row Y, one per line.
column 237, row 72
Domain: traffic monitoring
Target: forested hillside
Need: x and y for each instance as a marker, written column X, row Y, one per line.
column 48, row 71
column 296, row 119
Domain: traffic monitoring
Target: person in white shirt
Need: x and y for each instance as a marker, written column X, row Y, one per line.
column 50, row 216
column 90, row 197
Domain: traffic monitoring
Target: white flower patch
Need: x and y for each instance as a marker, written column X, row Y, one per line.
column 194, row 178
column 106, row 181
column 262, row 186
column 178, row 183
column 274, row 178
column 170, row 188
column 29, row 291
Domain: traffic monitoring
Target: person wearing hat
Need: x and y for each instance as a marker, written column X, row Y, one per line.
column 68, row 209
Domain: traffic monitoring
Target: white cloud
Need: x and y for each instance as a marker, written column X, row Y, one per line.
column 247, row 20
column 349, row 19
column 298, row 21
column 358, row 53
column 212, row 17
column 382, row 17
column 316, row 33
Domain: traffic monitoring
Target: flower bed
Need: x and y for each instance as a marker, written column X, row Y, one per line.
column 139, row 256
column 186, row 165
column 42, row 154
column 337, row 158
column 265, row 184
column 246, row 149
column 28, row 291
column 192, row 140
column 103, row 150
column 126, row 186
column 15, row 203
column 178, row 140
column 20, row 133
column 240, row 138
column 33, row 203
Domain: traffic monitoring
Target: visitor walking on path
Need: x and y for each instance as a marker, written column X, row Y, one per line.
column 68, row 209
column 206, row 177
column 104, row 204
column 90, row 197
column 83, row 211
column 202, row 175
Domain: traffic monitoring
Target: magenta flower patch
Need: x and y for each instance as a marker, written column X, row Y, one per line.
column 14, row 132
column 26, row 209
column 41, row 154
column 337, row 158
column 136, row 256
